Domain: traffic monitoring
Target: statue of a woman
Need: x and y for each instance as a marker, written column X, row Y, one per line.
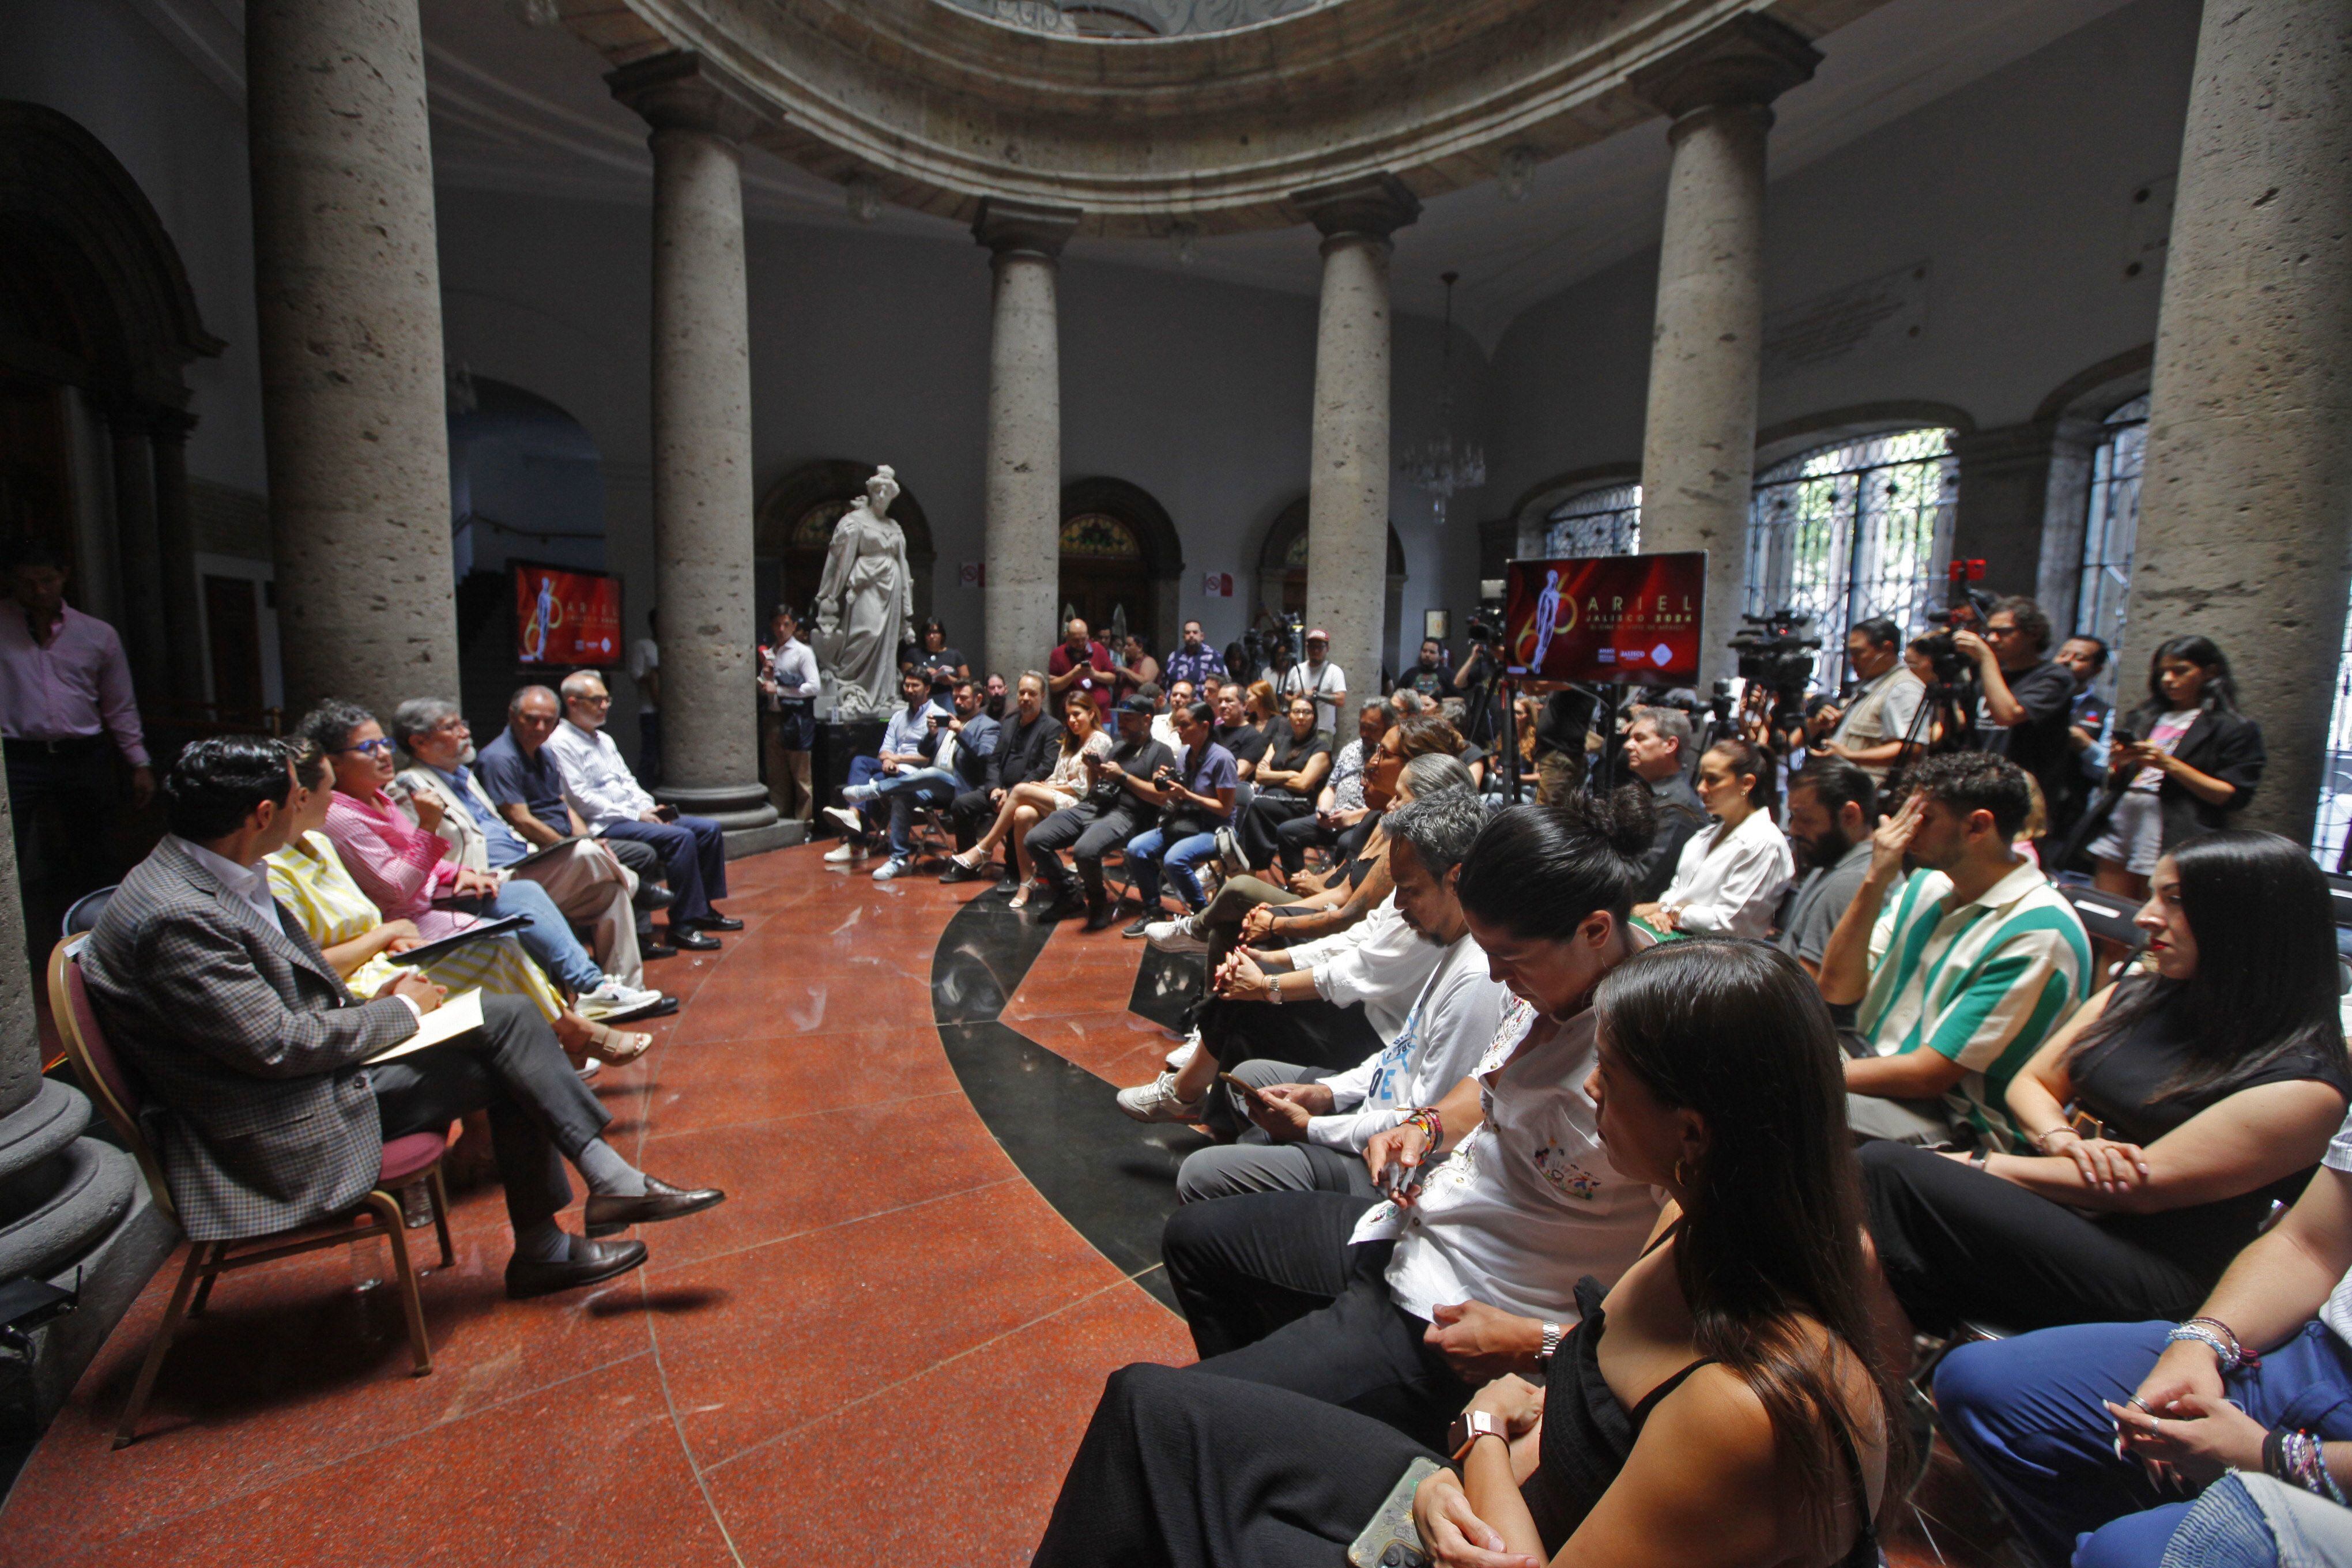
column 865, row 604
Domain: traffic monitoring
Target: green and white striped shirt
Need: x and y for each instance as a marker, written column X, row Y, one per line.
column 1982, row 985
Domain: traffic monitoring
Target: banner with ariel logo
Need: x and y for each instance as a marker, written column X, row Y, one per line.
column 1633, row 618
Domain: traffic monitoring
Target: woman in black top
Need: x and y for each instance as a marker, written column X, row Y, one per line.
column 1715, row 1405
column 2205, row 1092
column 1288, row 778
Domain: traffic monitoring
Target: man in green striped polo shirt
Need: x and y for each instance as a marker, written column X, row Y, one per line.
column 1982, row 959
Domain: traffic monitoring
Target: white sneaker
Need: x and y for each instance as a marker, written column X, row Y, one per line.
column 858, row 795
column 1184, row 1053
column 588, row 1070
column 894, row 867
column 613, row 1001
column 845, row 852
column 849, row 821
column 1156, row 1101
column 1180, row 935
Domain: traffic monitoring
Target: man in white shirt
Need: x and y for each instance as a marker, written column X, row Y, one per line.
column 1321, row 679
column 600, row 787
column 1312, row 1126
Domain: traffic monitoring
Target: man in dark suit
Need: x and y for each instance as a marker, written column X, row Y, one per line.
column 252, row 1053
column 1027, row 747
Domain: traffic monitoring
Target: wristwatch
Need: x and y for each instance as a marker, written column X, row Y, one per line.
column 1551, row 1337
column 1467, row 1428
column 1274, row 987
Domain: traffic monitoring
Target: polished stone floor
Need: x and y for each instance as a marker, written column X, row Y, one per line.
column 941, row 1237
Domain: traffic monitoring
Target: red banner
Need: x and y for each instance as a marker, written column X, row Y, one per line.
column 1605, row 617
column 566, row 617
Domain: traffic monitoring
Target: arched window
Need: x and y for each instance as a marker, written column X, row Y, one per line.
column 1598, row 522
column 2113, row 524
column 1858, row 528
column 2331, row 836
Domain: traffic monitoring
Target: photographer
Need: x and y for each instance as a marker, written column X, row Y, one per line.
column 1874, row 730
column 2027, row 701
column 1475, row 682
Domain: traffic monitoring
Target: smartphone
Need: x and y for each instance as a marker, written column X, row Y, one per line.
column 1256, row 1100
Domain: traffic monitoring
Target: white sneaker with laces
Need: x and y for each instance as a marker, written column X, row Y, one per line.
column 897, row 867
column 845, row 852
column 1184, row 1053
column 1156, row 1101
column 613, row 1001
column 1180, row 935
column 849, row 821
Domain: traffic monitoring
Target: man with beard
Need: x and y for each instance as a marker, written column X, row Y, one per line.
column 1833, row 806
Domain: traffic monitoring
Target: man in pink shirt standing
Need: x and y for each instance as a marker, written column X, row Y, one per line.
column 65, row 708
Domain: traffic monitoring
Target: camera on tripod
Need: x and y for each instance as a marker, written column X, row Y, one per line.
column 1965, row 609
column 1775, row 650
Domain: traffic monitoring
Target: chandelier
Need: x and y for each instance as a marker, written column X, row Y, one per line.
column 1439, row 465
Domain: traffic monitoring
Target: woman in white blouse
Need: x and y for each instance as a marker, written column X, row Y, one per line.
column 1728, row 880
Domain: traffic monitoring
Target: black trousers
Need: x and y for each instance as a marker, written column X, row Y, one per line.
column 1269, row 811
column 1275, row 1295
column 1185, row 1469
column 60, row 802
column 969, row 814
column 1958, row 1244
column 646, row 863
column 541, row 1113
column 1295, row 837
column 1088, row 836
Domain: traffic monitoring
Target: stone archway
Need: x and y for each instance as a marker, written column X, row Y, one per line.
column 1280, row 588
column 1119, row 548
column 794, row 523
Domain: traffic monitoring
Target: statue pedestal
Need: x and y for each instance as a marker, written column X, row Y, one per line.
column 838, row 740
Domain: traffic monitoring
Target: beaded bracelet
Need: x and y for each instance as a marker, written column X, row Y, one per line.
column 2193, row 1330
column 1432, row 1125
column 2299, row 1459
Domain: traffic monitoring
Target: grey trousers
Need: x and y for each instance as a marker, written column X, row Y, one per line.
column 1924, row 1122
column 1258, row 1164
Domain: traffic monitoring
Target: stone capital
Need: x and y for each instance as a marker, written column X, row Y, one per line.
column 1017, row 228
column 1374, row 205
column 1746, row 64
column 682, row 91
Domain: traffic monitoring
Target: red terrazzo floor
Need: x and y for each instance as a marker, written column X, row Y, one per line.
column 881, row 1349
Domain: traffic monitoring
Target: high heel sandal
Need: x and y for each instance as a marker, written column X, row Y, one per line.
column 1020, row 900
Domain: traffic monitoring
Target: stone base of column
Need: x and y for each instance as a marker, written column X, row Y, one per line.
column 732, row 806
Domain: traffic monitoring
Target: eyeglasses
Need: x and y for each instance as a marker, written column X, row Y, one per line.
column 376, row 747
column 600, row 700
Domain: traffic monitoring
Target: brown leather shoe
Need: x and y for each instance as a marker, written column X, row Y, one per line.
column 661, row 1201
column 596, row 1261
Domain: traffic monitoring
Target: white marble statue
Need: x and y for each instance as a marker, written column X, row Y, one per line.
column 865, row 605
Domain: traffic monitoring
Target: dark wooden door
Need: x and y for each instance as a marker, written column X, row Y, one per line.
column 233, row 625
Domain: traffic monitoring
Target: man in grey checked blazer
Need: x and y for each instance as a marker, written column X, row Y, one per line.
column 250, row 1049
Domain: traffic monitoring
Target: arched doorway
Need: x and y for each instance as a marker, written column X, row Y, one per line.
column 1282, row 578
column 794, row 526
column 1121, row 560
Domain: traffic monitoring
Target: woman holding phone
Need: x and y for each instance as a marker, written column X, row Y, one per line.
column 1714, row 1406
column 1028, row 803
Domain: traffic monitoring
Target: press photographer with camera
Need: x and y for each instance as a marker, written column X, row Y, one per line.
column 2026, row 700
column 1877, row 728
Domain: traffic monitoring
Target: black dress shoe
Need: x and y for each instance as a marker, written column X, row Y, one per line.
column 1101, row 917
column 660, row 1201
column 1134, row 932
column 1008, row 886
column 958, row 872
column 590, row 1263
column 1060, row 908
column 650, row 948
column 652, row 896
column 692, row 940
column 717, row 921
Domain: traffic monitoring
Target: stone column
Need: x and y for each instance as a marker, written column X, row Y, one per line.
column 1022, row 593
column 348, row 289
column 175, row 544
column 1347, row 472
column 702, row 440
column 1698, row 445
column 138, row 554
column 2245, row 523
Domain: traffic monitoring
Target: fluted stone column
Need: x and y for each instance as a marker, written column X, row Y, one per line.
column 1022, row 595
column 1698, row 443
column 2245, row 522
column 348, row 289
column 175, row 546
column 702, row 439
column 139, row 557
column 1347, row 473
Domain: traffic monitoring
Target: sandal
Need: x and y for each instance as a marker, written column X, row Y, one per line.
column 1020, row 900
column 616, row 1046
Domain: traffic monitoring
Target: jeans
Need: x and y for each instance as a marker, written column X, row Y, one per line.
column 1151, row 852
column 902, row 792
column 2026, row 1414
column 549, row 937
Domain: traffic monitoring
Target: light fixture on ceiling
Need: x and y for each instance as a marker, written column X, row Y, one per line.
column 865, row 193
column 1518, row 168
column 1438, row 465
column 1182, row 233
column 539, row 13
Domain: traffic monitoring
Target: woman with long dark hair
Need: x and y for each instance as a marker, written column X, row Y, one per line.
column 1729, row 877
column 2165, row 1118
column 1714, row 1406
column 2183, row 763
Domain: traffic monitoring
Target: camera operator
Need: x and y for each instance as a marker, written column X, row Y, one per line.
column 1475, row 682
column 2026, row 702
column 1872, row 730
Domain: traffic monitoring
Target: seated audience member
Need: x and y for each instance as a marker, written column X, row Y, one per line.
column 1880, row 715
column 1031, row 802
column 1311, row 1125
column 1181, row 694
column 1339, row 810
column 1195, row 794
column 2185, row 762
column 523, row 782
column 587, row 881
column 1110, row 809
column 1489, row 1247
column 1263, row 707
column 408, row 873
column 861, row 815
column 1832, row 807
column 1430, row 678
column 952, row 757
column 308, row 879
column 935, row 658
column 1984, row 958
column 253, row 1052
column 1194, row 661
column 600, row 787
column 1079, row 663
column 1027, row 747
column 2110, row 1428
column 1729, row 877
column 2085, row 658
column 1657, row 753
column 1404, row 702
column 1236, row 732
column 1288, row 778
column 994, row 696
column 1714, row 1406
column 1348, row 994
column 2201, row 1093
